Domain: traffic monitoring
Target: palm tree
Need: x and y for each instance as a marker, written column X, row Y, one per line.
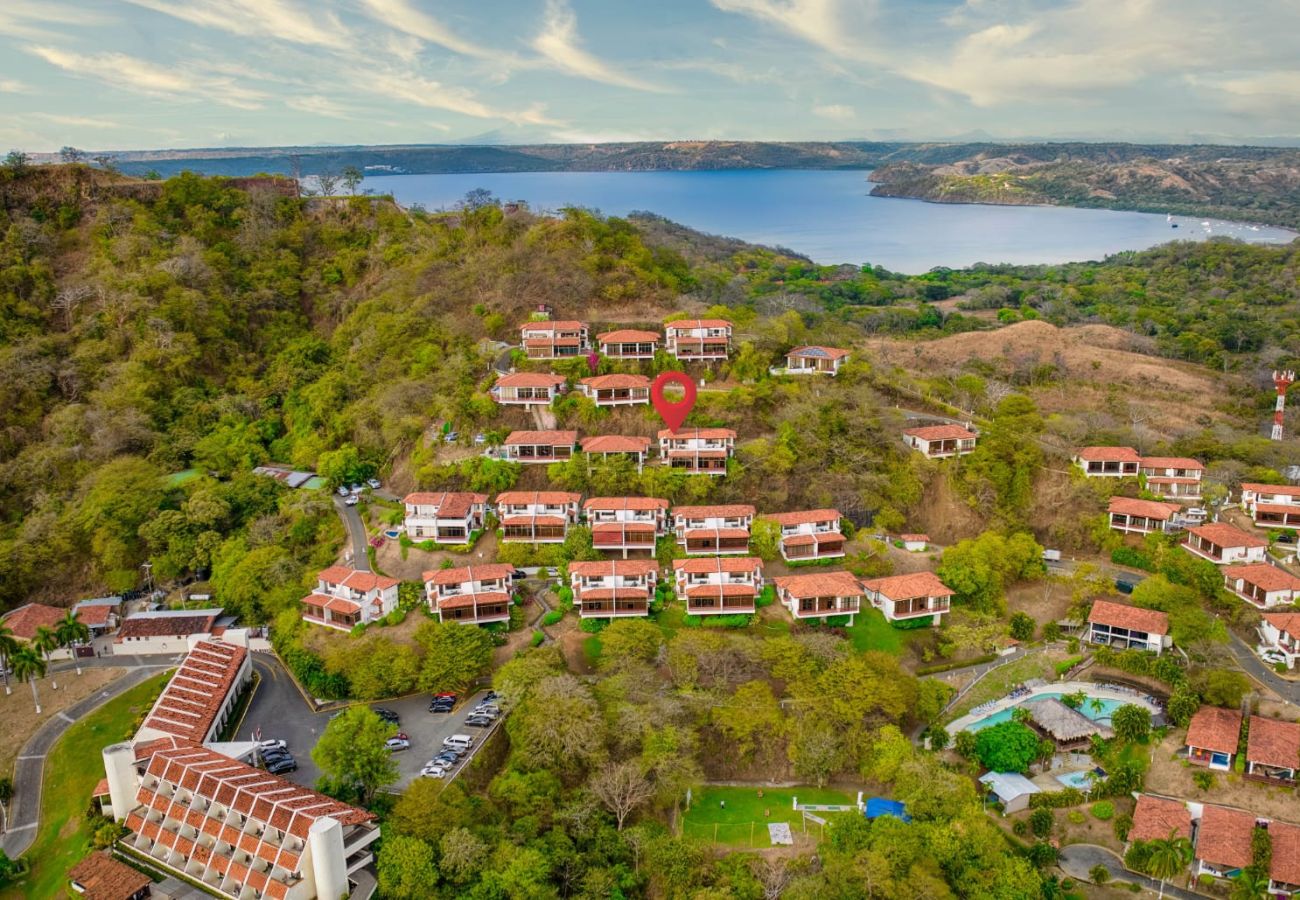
column 69, row 630
column 1168, row 857
column 8, row 644
column 28, row 666
column 1250, row 885
column 44, row 641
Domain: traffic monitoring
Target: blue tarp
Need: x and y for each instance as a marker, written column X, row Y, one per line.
column 879, row 806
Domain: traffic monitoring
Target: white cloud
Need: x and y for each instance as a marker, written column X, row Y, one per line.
column 14, row 86
column 420, row 91
column 142, row 76
column 77, row 121
column 403, row 16
column 319, row 105
column 282, row 20
column 24, row 18
column 837, row 111
column 560, row 43
column 819, row 22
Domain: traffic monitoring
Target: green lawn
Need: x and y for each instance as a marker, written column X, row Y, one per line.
column 743, row 818
column 1000, row 681
column 870, row 631
column 72, row 769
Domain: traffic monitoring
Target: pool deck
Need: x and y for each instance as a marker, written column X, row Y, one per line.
column 1104, row 692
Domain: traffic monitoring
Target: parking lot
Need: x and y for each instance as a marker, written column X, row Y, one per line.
column 281, row 713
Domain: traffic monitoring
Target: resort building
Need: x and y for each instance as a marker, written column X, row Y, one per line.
column 628, row 343
column 1155, row 818
column 1223, row 842
column 698, row 339
column 697, row 451
column 713, row 529
column 169, row 630
column 1262, row 585
column 24, row 620
column 614, row 588
column 1273, row 750
column 1127, row 627
column 1173, row 477
column 718, row 585
column 812, row 534
column 819, row 595
column 444, row 517
column 1068, row 728
column 915, row 543
column 1272, row 505
column 941, row 441
column 1010, row 789
column 101, row 615
column 527, row 389
column 536, row 517
column 100, row 877
column 1284, row 867
column 606, row 445
column 1280, row 636
column 616, row 390
column 904, row 597
column 1212, row 737
column 473, row 595
column 626, row 524
column 199, row 699
column 345, row 598
column 1109, row 462
column 815, row 360
column 554, row 340
column 1223, row 544
column 1132, row 516
column 539, row 447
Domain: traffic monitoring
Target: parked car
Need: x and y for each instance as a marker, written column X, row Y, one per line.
column 273, row 745
column 441, row 706
column 459, row 741
column 432, row 771
column 449, row 757
column 395, row 743
column 354, row 489
column 374, row 483
column 450, row 437
column 281, row 766
column 343, row 490
column 480, row 438
column 1273, row 656
column 489, row 708
column 490, row 696
column 446, row 695
column 352, row 500
column 388, row 715
column 478, row 721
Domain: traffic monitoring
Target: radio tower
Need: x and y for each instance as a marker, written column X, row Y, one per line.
column 1282, row 380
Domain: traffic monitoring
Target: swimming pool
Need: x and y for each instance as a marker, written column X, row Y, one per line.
column 1082, row 780
column 1099, row 709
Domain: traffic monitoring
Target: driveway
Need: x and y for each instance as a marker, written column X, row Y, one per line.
column 356, row 534
column 1077, row 860
column 1262, row 672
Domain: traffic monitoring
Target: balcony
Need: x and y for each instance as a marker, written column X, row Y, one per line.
column 600, row 609
column 712, row 606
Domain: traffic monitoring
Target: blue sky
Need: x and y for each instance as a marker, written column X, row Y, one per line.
column 119, row 74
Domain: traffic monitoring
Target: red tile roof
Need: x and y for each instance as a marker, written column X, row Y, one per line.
column 1288, row 622
column 639, row 504
column 553, row 325
column 1149, row 509
column 357, row 581
column 721, row 590
column 615, row 443
column 616, row 380
column 533, row 498
column 27, row 618
column 628, row 336
column 1155, row 817
column 451, row 504
column 816, row 537
column 144, row 625
column 530, row 380
column 187, row 708
column 103, row 878
column 727, row 564
column 613, row 567
column 101, row 789
column 1171, row 462
column 530, row 520
column 472, row 599
column 1109, row 454
column 1273, row 743
column 684, row 324
column 1264, row 576
column 1214, row 728
column 542, row 438
column 95, row 616
column 941, row 433
column 820, row 584
column 804, row 517
column 816, row 352
column 1285, row 840
column 465, row 574
column 909, row 587
column 1283, row 490
column 1282, row 508
column 1224, row 837
column 703, row 434
column 1222, row 534
column 721, row 511
column 915, row 537
column 1120, row 615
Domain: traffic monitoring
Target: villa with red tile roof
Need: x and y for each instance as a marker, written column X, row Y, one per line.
column 1212, row 737
column 166, row 630
column 536, row 517
column 719, row 585
column 616, row 389
column 1127, row 627
column 1262, row 585
column 1279, row 633
column 606, row 445
column 697, row 451
column 698, row 339
column 1172, row 477
column 810, row 534
column 1223, row 544
column 819, row 595
column 1284, row 864
column 527, row 389
column 345, row 598
column 713, row 529
column 626, row 524
column 201, row 696
column 539, row 447
column 1132, row 516
column 1155, row 818
column 815, row 360
column 1273, row 750
column 1108, row 462
column 628, row 343
column 1223, row 842
column 472, row 595
column 101, row 877
column 613, row 588
column 1272, row 505
column 444, row 517
column 561, row 339
column 101, row 615
column 905, row 597
column 941, row 441
column 24, row 620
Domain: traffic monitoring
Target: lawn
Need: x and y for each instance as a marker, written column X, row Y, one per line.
column 72, row 769
column 870, row 631
column 746, row 816
column 1000, row 681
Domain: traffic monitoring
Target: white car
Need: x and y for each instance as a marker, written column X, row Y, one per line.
column 1272, row 656
column 395, row 743
column 374, row 483
column 343, row 491
column 458, row 741
column 352, row 500
column 273, row 745
column 434, row 772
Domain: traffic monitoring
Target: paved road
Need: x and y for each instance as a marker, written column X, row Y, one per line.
column 356, row 533
column 1262, row 671
column 1077, row 859
column 25, row 811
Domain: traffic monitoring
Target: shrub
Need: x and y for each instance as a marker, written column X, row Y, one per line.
column 837, row 621
column 1137, row 856
column 1052, row 631
column 593, row 626
column 1020, row 827
column 553, row 617
column 1133, row 558
column 565, row 595
column 1076, row 817
column 1066, row 665
column 1099, row 874
column 918, row 622
column 1123, row 825
column 1056, row 799
column 766, row 597
column 1103, row 810
column 1006, row 747
column 1022, row 627
column 1203, row 779
column 1043, row 855
column 537, row 639
column 1041, row 822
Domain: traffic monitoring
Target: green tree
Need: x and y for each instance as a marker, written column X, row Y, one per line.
column 343, row 466
column 1250, row 885
column 1006, row 747
column 765, row 540
column 1220, row 687
column 116, row 499
column 351, row 751
column 8, row 644
column 351, row 177
column 1023, row 626
column 558, row 726
column 28, row 665
column 1132, row 723
column 750, row 717
column 1183, row 704
column 629, row 639
column 1041, row 822
column 1006, row 459
column 1167, row 857
column 71, row 630
column 979, row 570
column 45, row 641
column 405, row 868
column 455, row 655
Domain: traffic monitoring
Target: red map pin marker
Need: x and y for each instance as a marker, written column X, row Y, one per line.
column 673, row 414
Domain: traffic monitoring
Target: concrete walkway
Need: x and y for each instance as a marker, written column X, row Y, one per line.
column 1077, row 860
column 356, row 534
column 29, row 771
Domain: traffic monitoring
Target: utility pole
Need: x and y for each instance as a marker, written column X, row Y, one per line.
column 148, row 576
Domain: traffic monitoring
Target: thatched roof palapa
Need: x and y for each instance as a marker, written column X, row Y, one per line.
column 1063, row 724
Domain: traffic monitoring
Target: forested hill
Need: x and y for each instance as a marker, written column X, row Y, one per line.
column 158, row 339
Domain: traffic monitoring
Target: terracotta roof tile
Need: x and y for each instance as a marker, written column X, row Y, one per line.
column 451, row 504
column 1109, row 454
column 820, row 584
column 529, row 380
column 815, row 352
column 542, row 438
column 622, row 567
column 27, row 618
column 941, row 433
column 1221, row 534
column 616, row 380
column 1224, row 837
column 104, row 878
column 358, row 581
column 1155, row 817
column 637, row 504
column 804, row 517
column 465, row 574
column 1214, row 728
column 615, row 443
column 696, row 591
column 1283, row 621
column 1264, row 576
column 187, row 708
column 909, row 587
column 533, row 520
column 167, row 626
column 628, row 336
column 553, row 325
column 1282, row 490
column 688, row 324
column 703, row 434
column 1150, row 509
column 722, row 511
column 471, row 599
column 1273, row 743
column 533, row 498
column 1285, row 840
column 1134, row 618
column 727, row 564
column 702, row 533
column 1171, row 462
